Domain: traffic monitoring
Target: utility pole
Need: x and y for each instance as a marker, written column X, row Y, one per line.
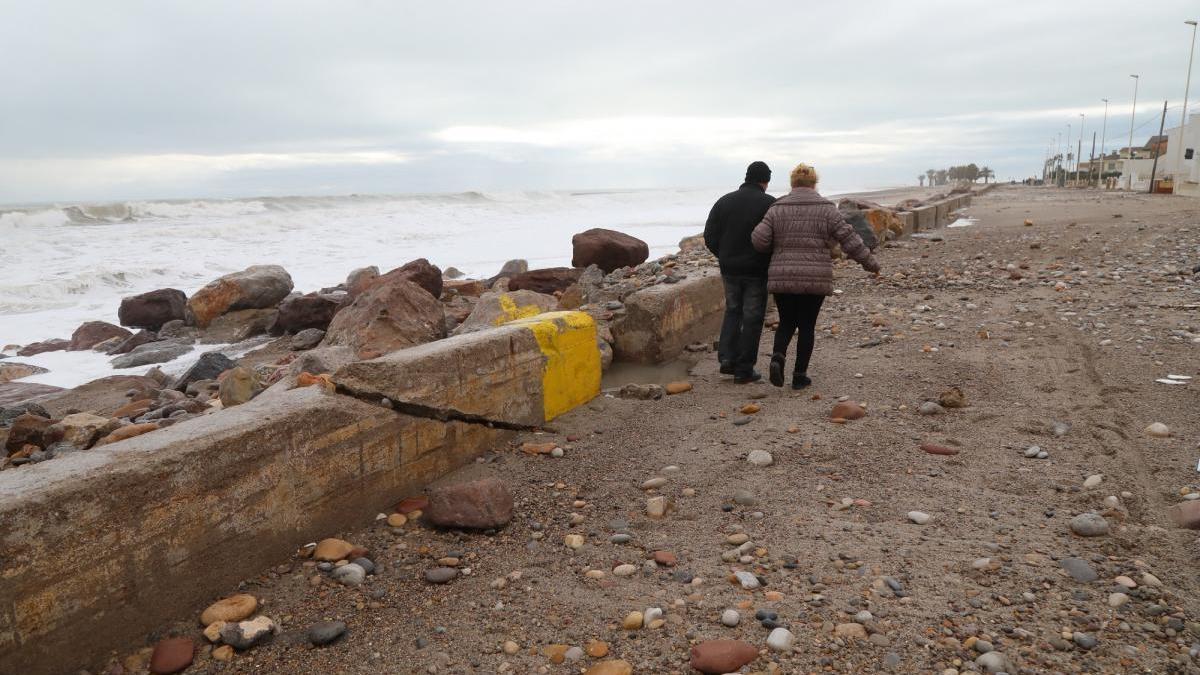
column 1079, row 149
column 1103, row 130
column 1132, row 116
column 1183, row 121
column 1092, row 161
column 1154, row 168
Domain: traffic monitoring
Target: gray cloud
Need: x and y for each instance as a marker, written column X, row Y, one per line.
column 113, row 100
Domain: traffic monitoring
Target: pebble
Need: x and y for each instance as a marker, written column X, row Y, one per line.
column 511, row 647
column 597, row 649
column 172, row 655
column 326, row 632
column 930, row 408
column 573, row 654
column 245, row 634
column 1084, row 640
column 620, row 538
column 233, row 608
column 781, row 640
column 863, row 617
column 994, row 662
column 397, row 520
column 632, row 621
column 1032, row 451
column 366, row 564
column 654, row 483
column 737, row 539
column 760, row 458
column 223, row 653
column 1089, row 525
column 1117, row 599
column 730, row 618
column 1158, row 430
column 1093, row 480
column 656, row 507
column 440, row 575
column 574, row 541
column 744, row 498
column 747, row 580
column 1150, row 580
column 615, row 667
column 1079, row 569
column 850, row 630
column 919, row 517
column 625, row 570
column 1125, row 581
column 349, row 574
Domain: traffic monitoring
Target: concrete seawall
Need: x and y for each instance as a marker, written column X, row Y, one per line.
column 101, row 547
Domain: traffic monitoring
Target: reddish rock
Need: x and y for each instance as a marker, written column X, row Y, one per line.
column 410, row 504
column 358, row 281
column 722, row 656
column 1187, row 514
column 477, row 505
column 172, row 655
column 93, row 333
column 134, row 408
column 142, row 337
column 10, row 370
column 151, row 310
column 848, row 410
column 469, row 287
column 934, row 449
column 665, row 558
column 390, row 315
column 127, row 432
column 546, row 281
column 35, row 348
column 256, row 287
column 299, row 312
column 28, row 429
column 607, row 249
column 420, row 272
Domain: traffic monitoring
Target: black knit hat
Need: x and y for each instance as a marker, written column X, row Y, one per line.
column 758, row 172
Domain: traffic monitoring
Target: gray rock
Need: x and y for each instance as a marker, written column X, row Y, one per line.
column 744, row 498
column 207, row 367
column 152, row 352
column 307, row 339
column 641, row 392
column 349, row 574
column 930, row 408
column 245, row 634
column 1079, row 569
column 440, row 575
column 326, row 632
column 1089, row 525
column 730, row 618
column 994, row 662
column 1084, row 640
column 367, row 565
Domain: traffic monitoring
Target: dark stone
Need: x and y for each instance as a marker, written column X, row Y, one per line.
column 93, row 333
column 300, row 312
column 207, row 367
column 151, row 310
column 440, row 575
column 35, row 348
column 307, row 339
column 420, row 272
column 326, row 632
column 172, row 655
column 1079, row 569
column 27, row 429
column 607, row 249
column 142, row 337
column 546, row 280
column 153, row 352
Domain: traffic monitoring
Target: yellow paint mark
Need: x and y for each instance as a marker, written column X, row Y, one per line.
column 511, row 312
column 571, row 375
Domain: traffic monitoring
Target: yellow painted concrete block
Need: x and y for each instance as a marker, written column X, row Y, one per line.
column 571, row 374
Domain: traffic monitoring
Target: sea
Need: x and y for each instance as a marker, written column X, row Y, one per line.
column 64, row 264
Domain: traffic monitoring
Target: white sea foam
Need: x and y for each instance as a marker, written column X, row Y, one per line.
column 66, row 264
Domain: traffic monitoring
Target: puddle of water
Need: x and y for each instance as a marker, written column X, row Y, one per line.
column 963, row 222
column 621, row 374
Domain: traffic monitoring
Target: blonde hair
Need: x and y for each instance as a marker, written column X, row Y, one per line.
column 804, row 176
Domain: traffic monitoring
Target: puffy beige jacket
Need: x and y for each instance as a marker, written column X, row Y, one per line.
column 798, row 231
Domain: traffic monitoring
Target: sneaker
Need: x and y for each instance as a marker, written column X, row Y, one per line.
column 800, row 381
column 726, row 368
column 754, row 376
column 776, row 374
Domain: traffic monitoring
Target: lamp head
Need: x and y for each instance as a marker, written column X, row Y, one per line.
column 1190, row 22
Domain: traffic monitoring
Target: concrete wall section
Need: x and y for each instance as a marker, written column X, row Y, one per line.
column 942, row 213
column 661, row 320
column 103, row 546
column 925, row 218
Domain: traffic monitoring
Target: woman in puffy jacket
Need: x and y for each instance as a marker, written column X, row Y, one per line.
column 798, row 231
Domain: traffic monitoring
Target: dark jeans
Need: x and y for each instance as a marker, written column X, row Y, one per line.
column 745, row 306
column 797, row 312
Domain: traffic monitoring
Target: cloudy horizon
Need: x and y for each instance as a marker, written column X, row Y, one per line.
column 176, row 100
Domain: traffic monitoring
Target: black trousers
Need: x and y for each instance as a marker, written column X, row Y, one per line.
column 745, row 305
column 797, row 313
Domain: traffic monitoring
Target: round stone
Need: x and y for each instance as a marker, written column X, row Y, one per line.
column 760, row 458
column 233, row 608
column 349, row 574
column 780, row 640
column 730, row 618
column 1158, row 430
column 172, row 655
column 919, row 517
column 326, row 632
column 1089, row 525
column 440, row 575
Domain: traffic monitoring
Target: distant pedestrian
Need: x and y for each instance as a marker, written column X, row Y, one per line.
column 743, row 270
column 798, row 231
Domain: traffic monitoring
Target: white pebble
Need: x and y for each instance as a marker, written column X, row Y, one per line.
column 919, row 517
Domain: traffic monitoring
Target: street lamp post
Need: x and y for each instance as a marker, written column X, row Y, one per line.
column 1183, row 121
column 1132, row 116
column 1103, row 129
column 1079, row 149
column 1067, row 156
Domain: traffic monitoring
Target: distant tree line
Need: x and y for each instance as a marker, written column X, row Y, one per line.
column 968, row 172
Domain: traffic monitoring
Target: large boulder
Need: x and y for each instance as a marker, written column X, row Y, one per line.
column 546, row 280
column 608, row 249
column 238, row 325
column 35, row 348
column 10, row 371
column 256, row 287
column 151, row 310
column 496, row 309
column 208, row 367
column 389, row 315
column 481, row 504
column 93, row 333
column 80, row 430
column 419, row 272
column 152, row 352
column 358, row 281
column 28, row 429
column 299, row 312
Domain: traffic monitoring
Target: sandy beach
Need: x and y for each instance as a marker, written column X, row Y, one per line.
column 876, row 554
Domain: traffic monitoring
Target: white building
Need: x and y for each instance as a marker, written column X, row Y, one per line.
column 1185, row 171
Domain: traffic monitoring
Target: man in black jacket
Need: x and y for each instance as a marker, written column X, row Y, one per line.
column 743, row 269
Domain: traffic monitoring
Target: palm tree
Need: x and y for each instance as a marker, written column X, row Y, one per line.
column 986, row 173
column 921, row 180
column 929, row 174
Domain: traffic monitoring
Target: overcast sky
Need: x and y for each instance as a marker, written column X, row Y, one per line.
column 122, row 99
